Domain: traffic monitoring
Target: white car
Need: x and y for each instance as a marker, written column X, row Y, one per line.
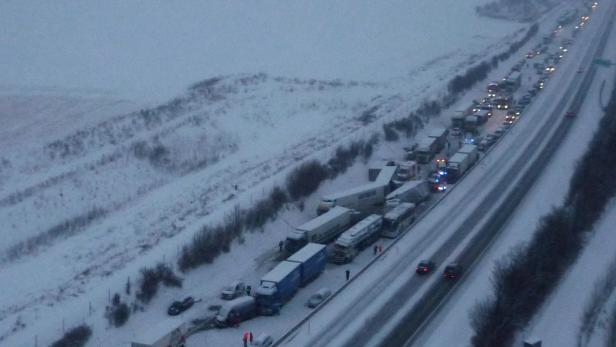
column 263, row 340
column 317, row 298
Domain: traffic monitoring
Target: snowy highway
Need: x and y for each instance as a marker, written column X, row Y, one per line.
column 388, row 295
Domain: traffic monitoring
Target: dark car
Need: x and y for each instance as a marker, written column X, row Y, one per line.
column 178, row 307
column 424, row 267
column 452, row 271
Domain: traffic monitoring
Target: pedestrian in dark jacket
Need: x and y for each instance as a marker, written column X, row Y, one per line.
column 347, row 274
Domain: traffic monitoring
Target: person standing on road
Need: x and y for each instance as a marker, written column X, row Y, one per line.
column 347, row 273
column 376, row 249
column 280, row 244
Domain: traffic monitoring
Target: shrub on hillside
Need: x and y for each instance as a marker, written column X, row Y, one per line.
column 390, row 134
column 118, row 313
column 305, row 179
column 76, row 337
column 152, row 278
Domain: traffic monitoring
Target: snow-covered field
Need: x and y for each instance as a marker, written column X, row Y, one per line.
column 95, row 182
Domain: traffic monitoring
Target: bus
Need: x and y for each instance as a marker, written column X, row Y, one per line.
column 398, row 219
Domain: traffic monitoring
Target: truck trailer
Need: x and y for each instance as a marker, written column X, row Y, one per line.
column 440, row 134
column 235, row 311
column 472, row 151
column 426, row 148
column 358, row 237
column 457, row 166
column 364, row 198
column 412, row 191
column 166, row 333
column 322, row 229
column 311, row 259
column 277, row 287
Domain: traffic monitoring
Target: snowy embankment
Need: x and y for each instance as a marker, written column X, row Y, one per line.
column 101, row 195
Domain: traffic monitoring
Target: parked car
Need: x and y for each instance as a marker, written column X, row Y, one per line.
column 317, row 298
column 491, row 138
column 234, row 290
column 499, row 131
column 425, row 267
column 452, row 271
column 178, row 307
column 263, row 340
column 483, row 145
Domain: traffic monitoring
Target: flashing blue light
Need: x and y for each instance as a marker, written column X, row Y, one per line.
column 442, row 173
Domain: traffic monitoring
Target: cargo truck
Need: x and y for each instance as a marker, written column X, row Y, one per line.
column 166, row 333
column 440, row 135
column 358, row 237
column 364, row 198
column 427, row 147
column 406, row 171
column 472, row 151
column 277, row 287
column 398, row 219
column 457, row 166
column 322, row 229
column 413, row 191
column 311, row 259
column 235, row 311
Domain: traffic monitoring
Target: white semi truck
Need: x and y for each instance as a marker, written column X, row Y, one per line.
column 358, row 237
column 412, row 191
column 458, row 164
column 365, row 198
column 322, row 229
column 166, row 333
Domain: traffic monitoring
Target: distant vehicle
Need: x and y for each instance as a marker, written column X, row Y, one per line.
column 357, row 238
column 499, row 131
column 452, row 271
column 178, row 307
column 322, row 229
column 437, row 182
column 232, row 291
column 503, row 102
column 170, row 332
column 424, row 267
column 483, row 145
column 510, row 118
column 277, row 287
column 493, row 89
column 456, row 131
column 317, row 298
column 570, row 114
column 406, row 171
column 235, row 311
column 491, row 139
column 263, row 340
column 397, row 219
column 459, row 163
column 412, row 191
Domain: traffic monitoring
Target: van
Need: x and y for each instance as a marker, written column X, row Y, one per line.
column 232, row 291
column 235, row 311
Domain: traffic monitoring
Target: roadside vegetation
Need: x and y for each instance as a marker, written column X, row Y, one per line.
column 76, row 337
column 523, row 281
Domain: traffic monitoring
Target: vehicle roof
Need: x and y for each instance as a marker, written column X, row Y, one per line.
column 355, row 190
column 333, row 213
column 458, row 157
column 386, row 174
column 280, row 271
column 159, row 329
column 307, row 252
column 357, row 229
column 404, row 188
column 239, row 301
column 437, row 132
column 399, row 210
column 467, row 148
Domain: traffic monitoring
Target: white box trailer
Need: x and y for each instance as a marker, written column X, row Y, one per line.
column 457, row 166
column 375, row 167
column 386, row 177
column 412, row 191
column 364, row 198
column 355, row 239
column 322, row 229
column 472, row 151
column 426, row 149
column 166, row 333
column 440, row 134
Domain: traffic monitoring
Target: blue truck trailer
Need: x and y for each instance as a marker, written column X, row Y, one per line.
column 311, row 259
column 277, row 287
